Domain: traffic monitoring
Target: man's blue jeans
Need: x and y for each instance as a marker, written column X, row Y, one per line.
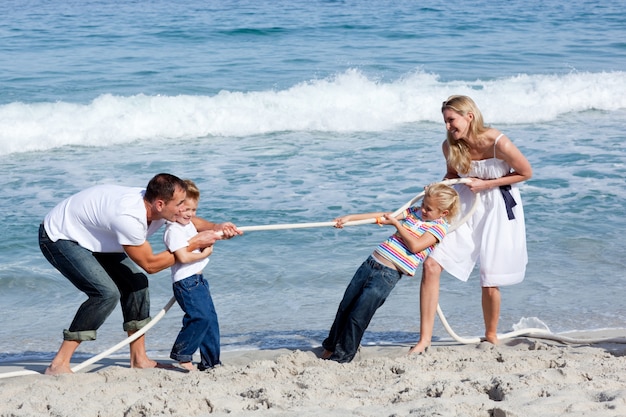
column 105, row 278
column 200, row 325
column 371, row 285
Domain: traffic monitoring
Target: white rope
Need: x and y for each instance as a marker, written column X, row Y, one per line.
column 539, row 333
column 169, row 304
column 109, row 351
column 365, row 221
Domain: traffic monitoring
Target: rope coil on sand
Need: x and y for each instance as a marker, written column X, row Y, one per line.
column 530, row 332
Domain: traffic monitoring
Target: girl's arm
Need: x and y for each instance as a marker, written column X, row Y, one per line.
column 415, row 244
column 340, row 221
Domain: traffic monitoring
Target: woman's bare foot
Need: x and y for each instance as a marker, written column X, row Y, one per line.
column 326, row 354
column 493, row 339
column 58, row 370
column 188, row 366
column 419, row 348
column 144, row 363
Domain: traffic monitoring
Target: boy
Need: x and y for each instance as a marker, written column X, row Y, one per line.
column 200, row 326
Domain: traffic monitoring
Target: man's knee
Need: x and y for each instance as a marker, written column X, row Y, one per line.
column 109, row 297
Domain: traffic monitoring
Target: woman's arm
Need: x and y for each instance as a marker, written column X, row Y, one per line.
column 508, row 152
column 451, row 173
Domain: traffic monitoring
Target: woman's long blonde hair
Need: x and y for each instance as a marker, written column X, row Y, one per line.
column 459, row 156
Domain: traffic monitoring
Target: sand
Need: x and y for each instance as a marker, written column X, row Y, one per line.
column 519, row 377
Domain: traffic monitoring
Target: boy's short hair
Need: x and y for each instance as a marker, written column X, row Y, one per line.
column 192, row 190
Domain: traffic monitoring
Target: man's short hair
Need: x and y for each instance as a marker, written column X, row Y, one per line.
column 163, row 186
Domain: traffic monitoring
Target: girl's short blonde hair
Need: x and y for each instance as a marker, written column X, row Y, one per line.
column 446, row 198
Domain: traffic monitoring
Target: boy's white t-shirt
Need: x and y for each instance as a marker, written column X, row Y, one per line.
column 102, row 218
column 176, row 237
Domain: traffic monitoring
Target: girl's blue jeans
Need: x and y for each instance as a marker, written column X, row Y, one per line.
column 200, row 326
column 105, row 278
column 371, row 285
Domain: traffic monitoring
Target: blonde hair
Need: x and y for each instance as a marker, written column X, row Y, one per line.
column 192, row 190
column 447, row 199
column 459, row 156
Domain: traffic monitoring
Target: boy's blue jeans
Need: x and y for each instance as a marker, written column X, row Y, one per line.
column 105, row 278
column 200, row 325
column 371, row 285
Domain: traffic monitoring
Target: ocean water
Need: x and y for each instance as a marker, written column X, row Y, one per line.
column 301, row 111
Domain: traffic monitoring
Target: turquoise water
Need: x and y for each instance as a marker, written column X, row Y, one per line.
column 295, row 112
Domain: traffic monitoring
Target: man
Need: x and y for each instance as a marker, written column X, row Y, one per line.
column 95, row 238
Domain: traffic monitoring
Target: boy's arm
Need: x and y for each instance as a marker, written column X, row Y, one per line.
column 209, row 232
column 227, row 229
column 183, row 256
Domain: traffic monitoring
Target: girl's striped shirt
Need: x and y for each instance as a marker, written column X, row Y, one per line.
column 395, row 250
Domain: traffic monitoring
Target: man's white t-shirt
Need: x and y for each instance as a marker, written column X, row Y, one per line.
column 175, row 237
column 102, row 218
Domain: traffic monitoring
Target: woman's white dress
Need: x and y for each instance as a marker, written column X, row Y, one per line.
column 488, row 237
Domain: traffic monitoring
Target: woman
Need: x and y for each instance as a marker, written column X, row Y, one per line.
column 495, row 233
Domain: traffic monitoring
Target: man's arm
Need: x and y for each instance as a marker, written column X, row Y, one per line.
column 150, row 262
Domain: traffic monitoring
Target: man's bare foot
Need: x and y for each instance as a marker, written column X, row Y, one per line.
column 150, row 364
column 58, row 370
column 419, row 348
column 188, row 366
column 326, row 354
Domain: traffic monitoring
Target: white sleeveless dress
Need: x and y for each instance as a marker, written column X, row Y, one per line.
column 488, row 237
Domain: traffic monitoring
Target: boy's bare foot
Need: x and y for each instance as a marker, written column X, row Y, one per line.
column 187, row 365
column 326, row 354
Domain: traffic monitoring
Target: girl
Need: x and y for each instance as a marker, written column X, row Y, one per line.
column 418, row 230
